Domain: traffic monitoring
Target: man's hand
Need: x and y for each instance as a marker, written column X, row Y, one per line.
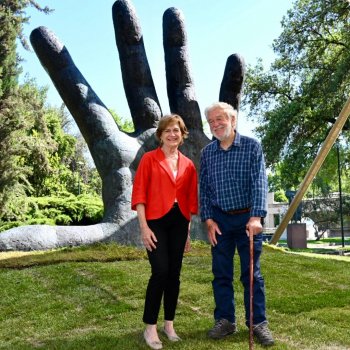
column 254, row 226
column 213, row 229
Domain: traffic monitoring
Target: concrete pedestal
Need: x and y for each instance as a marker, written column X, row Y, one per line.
column 296, row 236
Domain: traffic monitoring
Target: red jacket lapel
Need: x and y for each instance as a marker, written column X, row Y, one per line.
column 160, row 156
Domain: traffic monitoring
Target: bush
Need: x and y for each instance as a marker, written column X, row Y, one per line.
column 64, row 210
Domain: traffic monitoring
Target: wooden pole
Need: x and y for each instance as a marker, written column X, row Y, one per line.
column 315, row 167
column 251, row 289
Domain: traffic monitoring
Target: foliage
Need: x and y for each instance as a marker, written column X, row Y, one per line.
column 15, row 147
column 298, row 99
column 63, row 210
column 93, row 297
column 124, row 124
column 36, row 154
column 85, row 178
column 280, row 196
column 325, row 211
column 12, row 18
column 45, row 176
column 14, row 105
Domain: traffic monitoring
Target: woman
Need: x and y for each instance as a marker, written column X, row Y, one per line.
column 165, row 196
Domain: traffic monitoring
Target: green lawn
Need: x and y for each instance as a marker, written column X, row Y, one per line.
column 92, row 298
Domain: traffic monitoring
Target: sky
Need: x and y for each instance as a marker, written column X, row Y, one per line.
column 215, row 30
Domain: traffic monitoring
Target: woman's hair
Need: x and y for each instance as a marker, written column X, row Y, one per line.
column 166, row 120
column 229, row 110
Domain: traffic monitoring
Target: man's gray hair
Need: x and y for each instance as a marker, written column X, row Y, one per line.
column 229, row 110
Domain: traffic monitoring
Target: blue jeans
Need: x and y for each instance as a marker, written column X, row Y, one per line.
column 234, row 236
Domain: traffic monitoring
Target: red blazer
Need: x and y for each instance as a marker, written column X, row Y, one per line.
column 156, row 187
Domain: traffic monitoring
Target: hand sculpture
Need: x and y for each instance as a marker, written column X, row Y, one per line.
column 115, row 153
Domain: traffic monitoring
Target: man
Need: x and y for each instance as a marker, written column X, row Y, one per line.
column 233, row 190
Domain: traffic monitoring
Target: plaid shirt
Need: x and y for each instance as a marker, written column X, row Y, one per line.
column 234, row 178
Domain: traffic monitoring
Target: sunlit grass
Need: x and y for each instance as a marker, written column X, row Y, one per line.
column 92, row 298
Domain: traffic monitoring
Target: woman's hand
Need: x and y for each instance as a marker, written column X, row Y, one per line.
column 188, row 244
column 188, row 241
column 148, row 238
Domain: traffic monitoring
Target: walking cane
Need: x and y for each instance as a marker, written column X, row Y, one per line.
column 251, row 286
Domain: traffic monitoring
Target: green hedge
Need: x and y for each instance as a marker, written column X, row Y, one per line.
column 64, row 210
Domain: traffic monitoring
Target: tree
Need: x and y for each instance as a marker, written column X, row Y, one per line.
column 298, row 99
column 125, row 125
column 13, row 124
column 37, row 157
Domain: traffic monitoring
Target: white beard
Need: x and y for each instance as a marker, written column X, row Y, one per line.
column 225, row 135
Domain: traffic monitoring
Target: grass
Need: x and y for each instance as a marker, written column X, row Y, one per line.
column 92, row 298
column 328, row 246
column 333, row 240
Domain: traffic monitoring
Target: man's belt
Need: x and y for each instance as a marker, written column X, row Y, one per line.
column 237, row 211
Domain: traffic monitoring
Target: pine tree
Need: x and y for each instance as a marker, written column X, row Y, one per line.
column 13, row 122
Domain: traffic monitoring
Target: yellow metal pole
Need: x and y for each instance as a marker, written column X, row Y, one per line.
column 315, row 167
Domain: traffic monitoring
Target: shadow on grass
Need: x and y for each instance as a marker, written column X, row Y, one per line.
column 94, row 253
column 100, row 252
column 134, row 340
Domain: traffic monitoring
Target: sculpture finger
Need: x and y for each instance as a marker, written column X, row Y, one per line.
column 96, row 124
column 180, row 86
column 137, row 78
column 232, row 82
